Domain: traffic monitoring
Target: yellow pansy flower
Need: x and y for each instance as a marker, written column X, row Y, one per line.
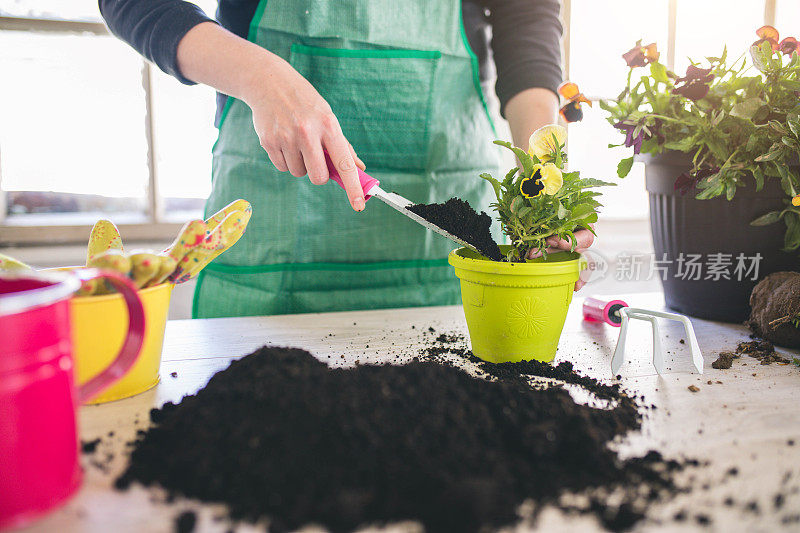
column 543, row 146
column 546, row 179
column 796, row 201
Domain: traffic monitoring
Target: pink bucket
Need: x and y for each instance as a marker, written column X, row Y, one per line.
column 39, row 467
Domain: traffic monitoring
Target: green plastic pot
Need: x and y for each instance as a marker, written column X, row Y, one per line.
column 516, row 311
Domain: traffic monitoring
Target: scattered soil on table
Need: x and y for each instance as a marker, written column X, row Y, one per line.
column 762, row 350
column 724, row 360
column 693, row 388
column 776, row 309
column 280, row 435
column 759, row 349
column 99, row 452
column 89, row 446
column 458, row 218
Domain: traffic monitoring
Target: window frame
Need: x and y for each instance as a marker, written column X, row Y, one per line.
column 156, row 227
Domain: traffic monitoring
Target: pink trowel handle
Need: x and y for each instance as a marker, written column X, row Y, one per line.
column 367, row 181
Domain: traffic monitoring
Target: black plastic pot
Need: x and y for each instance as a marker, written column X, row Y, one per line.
column 683, row 225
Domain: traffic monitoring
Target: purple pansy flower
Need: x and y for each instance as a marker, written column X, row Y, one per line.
column 695, row 83
column 630, row 140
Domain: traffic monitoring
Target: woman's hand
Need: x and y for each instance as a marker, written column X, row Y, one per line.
column 294, row 123
column 583, row 239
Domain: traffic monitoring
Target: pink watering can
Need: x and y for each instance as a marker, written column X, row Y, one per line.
column 39, row 467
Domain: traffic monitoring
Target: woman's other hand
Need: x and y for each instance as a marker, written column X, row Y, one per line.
column 583, row 240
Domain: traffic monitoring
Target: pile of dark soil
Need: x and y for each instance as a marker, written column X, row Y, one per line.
column 458, row 218
column 776, row 309
column 280, row 435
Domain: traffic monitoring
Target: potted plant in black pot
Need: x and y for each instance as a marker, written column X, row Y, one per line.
column 720, row 146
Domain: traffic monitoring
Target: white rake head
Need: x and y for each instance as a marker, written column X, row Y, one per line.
column 629, row 313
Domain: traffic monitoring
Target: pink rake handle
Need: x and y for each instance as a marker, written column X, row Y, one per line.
column 597, row 310
column 133, row 341
column 367, row 181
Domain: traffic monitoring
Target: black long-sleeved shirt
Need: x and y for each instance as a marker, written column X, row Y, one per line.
column 524, row 43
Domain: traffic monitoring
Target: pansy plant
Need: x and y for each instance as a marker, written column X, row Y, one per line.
column 739, row 121
column 539, row 198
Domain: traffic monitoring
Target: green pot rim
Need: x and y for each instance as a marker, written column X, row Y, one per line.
column 555, row 264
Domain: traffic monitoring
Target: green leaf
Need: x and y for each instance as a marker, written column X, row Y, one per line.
column 562, row 212
column 495, row 184
column 659, row 72
column 730, row 191
column 772, row 155
column 522, row 155
column 684, row 144
column 791, row 240
column 516, row 204
column 758, row 174
column 794, row 125
column 765, row 220
column 712, row 191
column 624, row 167
column 747, row 108
column 761, row 55
column 510, row 177
column 787, row 179
column 777, row 126
column 586, row 183
column 580, row 211
column 792, row 85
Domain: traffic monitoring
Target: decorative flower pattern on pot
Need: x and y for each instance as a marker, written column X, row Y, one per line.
column 527, row 317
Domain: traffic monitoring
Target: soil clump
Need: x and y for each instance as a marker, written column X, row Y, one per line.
column 775, row 304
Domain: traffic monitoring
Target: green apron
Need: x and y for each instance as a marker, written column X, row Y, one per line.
column 401, row 79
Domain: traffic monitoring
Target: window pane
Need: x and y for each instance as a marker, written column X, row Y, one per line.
column 600, row 34
column 787, row 18
column 589, row 153
column 209, row 6
column 704, row 28
column 596, row 65
column 184, row 134
column 72, row 122
column 82, row 10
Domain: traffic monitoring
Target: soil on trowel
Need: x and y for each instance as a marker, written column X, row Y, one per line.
column 282, row 436
column 776, row 309
column 458, row 218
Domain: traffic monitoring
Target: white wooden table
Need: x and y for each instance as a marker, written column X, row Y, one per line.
column 744, row 422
